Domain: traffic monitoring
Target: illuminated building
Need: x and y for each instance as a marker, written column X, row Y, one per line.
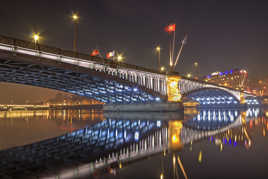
column 236, row 79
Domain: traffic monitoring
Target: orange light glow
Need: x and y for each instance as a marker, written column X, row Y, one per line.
column 172, row 89
column 250, row 124
column 175, row 139
column 174, row 131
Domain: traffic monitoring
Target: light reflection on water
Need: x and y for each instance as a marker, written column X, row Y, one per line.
column 25, row 127
column 210, row 138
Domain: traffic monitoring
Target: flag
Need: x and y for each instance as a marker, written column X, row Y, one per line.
column 170, row 28
column 95, row 52
column 110, row 54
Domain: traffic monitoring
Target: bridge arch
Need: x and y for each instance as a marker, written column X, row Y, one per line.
column 212, row 96
column 95, row 84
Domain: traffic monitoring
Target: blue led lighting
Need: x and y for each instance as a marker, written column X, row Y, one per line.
column 137, row 136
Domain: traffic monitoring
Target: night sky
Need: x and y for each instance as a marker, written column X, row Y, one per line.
column 222, row 34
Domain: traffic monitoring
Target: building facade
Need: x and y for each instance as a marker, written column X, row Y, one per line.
column 236, row 79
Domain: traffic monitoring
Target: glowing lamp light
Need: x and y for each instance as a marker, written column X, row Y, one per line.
column 75, row 17
column 158, row 123
column 266, row 115
column 173, row 84
column 120, row 58
column 200, row 157
column 36, row 37
column 137, row 136
column 162, row 68
column 189, row 75
column 158, row 49
column 174, row 139
column 161, row 176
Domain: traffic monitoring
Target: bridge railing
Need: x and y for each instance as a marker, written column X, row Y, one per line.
column 68, row 53
column 153, row 80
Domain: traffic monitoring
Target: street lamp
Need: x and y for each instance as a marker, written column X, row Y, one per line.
column 161, row 176
column 120, row 57
column 162, row 69
column 36, row 38
column 196, row 69
column 75, row 19
column 189, row 75
column 158, row 49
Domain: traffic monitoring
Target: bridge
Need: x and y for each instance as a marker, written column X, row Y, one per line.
column 113, row 143
column 105, row 80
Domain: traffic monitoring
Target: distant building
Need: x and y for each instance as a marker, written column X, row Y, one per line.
column 236, row 79
column 70, row 99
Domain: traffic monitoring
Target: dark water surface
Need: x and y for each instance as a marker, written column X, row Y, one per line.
column 209, row 143
column 25, row 127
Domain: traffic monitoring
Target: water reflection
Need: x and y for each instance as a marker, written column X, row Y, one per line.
column 25, row 127
column 121, row 139
column 212, row 119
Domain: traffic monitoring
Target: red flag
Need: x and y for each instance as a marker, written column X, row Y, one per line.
column 95, row 52
column 110, row 54
column 170, row 28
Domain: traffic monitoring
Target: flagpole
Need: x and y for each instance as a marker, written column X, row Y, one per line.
column 170, row 61
column 173, row 46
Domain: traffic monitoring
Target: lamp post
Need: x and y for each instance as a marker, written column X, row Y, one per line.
column 120, row 57
column 158, row 50
column 189, row 75
column 196, row 69
column 36, row 39
column 75, row 19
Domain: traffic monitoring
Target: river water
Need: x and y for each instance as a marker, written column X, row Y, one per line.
column 208, row 143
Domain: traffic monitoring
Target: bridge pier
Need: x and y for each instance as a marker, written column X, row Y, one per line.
column 144, row 107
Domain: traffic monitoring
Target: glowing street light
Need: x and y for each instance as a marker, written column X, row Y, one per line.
column 189, row 75
column 120, row 57
column 162, row 68
column 170, row 64
column 161, row 176
column 158, row 50
column 36, row 37
column 75, row 18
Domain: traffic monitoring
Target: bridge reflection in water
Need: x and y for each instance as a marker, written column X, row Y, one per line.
column 115, row 143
